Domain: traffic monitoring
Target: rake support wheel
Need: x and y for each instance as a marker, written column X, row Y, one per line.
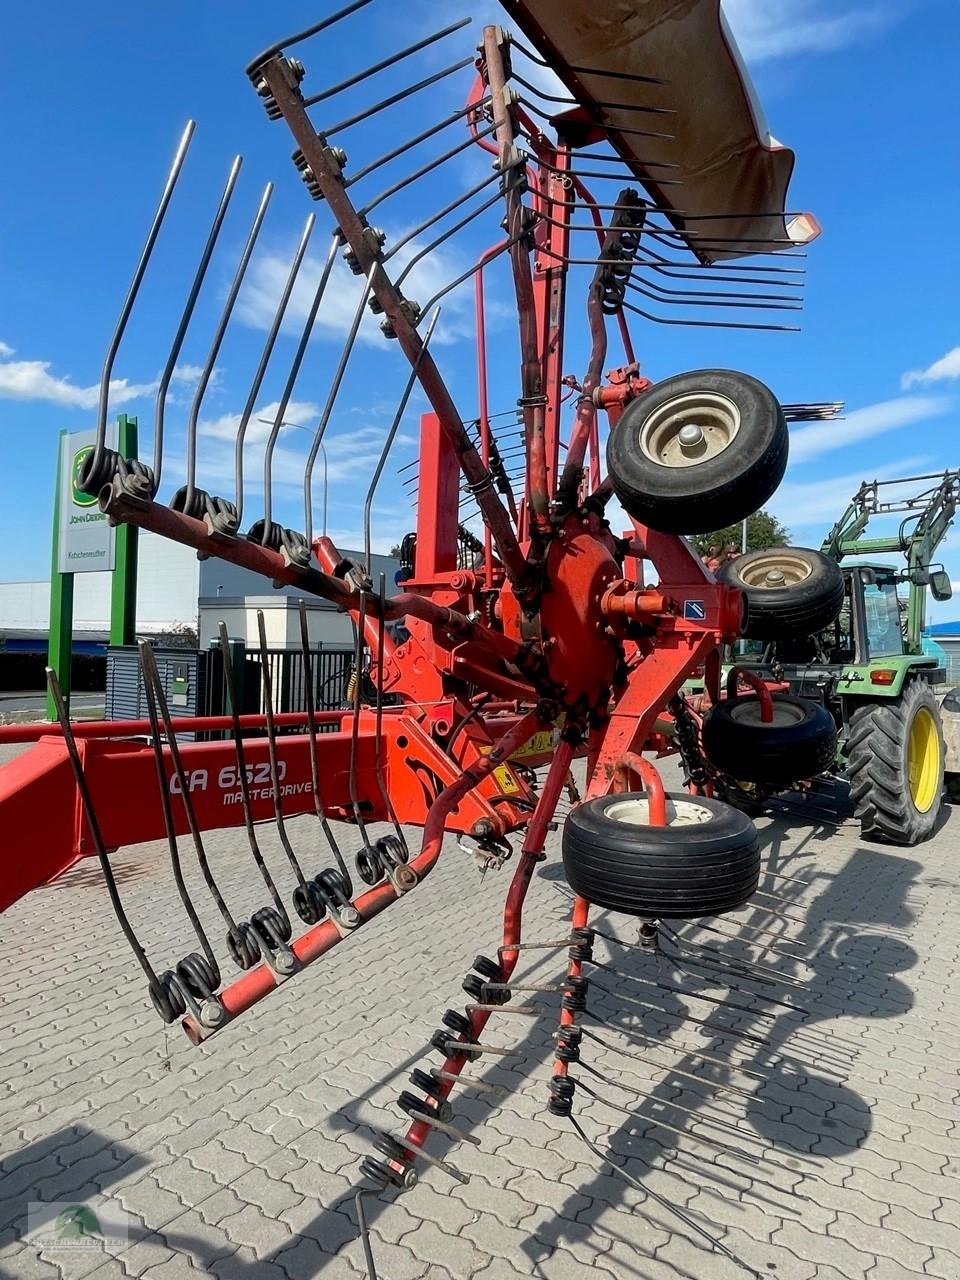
column 800, row 742
column 705, row 861
column 895, row 761
column 791, row 591
column 698, row 451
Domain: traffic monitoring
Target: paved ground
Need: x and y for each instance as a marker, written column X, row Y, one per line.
column 27, row 705
column 237, row 1159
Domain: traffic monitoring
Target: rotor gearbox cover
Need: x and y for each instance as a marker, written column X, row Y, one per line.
column 698, row 451
column 706, row 860
column 581, row 654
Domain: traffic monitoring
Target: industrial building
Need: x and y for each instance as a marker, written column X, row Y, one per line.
column 178, row 596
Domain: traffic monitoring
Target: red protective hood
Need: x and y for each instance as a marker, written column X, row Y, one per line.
column 728, row 162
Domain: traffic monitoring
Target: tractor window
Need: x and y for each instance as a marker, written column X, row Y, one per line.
column 882, row 612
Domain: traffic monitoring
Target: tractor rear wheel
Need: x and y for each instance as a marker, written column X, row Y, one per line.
column 895, row 762
column 698, row 451
column 791, row 591
column 799, row 742
column 705, row 861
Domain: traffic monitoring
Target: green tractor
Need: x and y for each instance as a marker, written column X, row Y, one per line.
column 836, row 629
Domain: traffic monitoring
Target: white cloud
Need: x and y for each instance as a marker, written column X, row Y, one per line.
column 810, row 442
column 943, row 370
column 32, row 380
column 821, row 502
column 767, row 29
column 297, row 413
column 258, row 301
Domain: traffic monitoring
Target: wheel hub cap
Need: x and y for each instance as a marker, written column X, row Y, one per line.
column 689, row 429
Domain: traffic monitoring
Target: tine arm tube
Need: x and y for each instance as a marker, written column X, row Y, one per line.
column 291, row 106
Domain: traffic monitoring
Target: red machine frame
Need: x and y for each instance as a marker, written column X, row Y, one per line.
column 557, row 625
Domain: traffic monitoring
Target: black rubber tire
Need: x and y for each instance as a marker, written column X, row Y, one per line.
column 790, row 611
column 878, row 737
column 737, row 743
column 676, row 872
column 707, row 495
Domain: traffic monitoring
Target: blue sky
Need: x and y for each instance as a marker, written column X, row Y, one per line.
column 96, row 96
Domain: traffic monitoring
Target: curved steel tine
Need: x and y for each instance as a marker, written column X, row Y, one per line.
column 242, row 776
column 442, row 213
column 152, row 676
column 415, row 141
column 310, row 709
column 445, row 235
column 709, row 324
column 215, row 345
column 394, row 98
column 265, row 355
column 254, row 66
column 267, row 685
column 133, row 290
column 606, row 106
column 308, row 324
column 331, row 401
column 378, row 750
column 391, row 435
column 592, row 71
column 386, row 62
column 430, row 166
column 355, row 725
column 163, row 787
column 212, row 236
column 89, row 812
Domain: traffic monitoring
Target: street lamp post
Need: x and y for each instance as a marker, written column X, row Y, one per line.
column 323, row 453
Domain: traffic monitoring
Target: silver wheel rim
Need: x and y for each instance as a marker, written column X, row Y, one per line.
column 775, row 569
column 784, row 713
column 689, row 429
column 634, row 811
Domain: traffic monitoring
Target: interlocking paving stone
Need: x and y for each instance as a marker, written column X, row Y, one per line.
column 239, row 1159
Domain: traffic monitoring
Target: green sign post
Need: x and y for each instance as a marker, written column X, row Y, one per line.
column 84, row 542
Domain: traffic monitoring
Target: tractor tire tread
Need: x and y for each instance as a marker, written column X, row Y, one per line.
column 877, row 743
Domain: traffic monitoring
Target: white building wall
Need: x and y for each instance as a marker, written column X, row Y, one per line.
column 168, row 584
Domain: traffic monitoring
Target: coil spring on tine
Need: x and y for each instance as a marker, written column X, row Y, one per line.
column 220, row 512
column 97, row 474
column 392, row 849
column 244, row 945
column 275, row 537
column 370, row 867
column 335, row 890
column 426, row 1083
column 198, row 975
column 273, row 925
column 568, row 1044
column 581, row 945
column 457, row 1021
column 378, row 1174
column 309, row 903
column 167, row 996
column 562, row 1089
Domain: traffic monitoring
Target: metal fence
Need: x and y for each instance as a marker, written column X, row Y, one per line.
column 331, row 668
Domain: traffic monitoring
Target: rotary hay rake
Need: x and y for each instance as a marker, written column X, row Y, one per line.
column 529, row 639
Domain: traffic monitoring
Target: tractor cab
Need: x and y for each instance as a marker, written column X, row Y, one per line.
column 870, row 622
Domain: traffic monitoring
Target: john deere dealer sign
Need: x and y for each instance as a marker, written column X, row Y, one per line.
column 86, row 537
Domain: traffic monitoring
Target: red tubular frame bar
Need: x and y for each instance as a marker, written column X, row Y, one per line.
column 531, row 854
column 259, row 982
column 757, row 685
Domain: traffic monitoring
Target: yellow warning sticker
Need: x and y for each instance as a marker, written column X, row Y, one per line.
column 507, row 783
column 538, row 745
